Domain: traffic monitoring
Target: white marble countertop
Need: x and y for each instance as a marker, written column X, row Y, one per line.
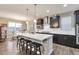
column 36, row 36
column 59, row 31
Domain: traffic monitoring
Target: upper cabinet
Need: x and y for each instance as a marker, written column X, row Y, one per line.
column 77, row 16
column 40, row 23
column 54, row 22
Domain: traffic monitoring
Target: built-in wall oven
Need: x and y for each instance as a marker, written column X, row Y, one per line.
column 77, row 34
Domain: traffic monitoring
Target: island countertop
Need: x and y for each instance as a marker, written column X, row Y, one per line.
column 36, row 36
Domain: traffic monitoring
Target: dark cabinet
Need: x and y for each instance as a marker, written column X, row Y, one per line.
column 40, row 23
column 55, row 39
column 77, row 16
column 76, row 13
column 58, row 39
column 67, row 40
column 54, row 22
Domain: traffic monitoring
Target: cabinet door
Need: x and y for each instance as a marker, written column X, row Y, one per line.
column 77, row 19
column 69, row 40
column 77, row 16
column 54, row 22
column 60, row 39
column 65, row 39
column 55, row 39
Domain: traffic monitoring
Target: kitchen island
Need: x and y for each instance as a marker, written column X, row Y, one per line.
column 44, row 39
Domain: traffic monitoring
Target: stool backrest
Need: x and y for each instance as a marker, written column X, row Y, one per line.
column 18, row 37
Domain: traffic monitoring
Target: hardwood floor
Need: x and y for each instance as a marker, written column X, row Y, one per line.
column 9, row 48
column 64, row 50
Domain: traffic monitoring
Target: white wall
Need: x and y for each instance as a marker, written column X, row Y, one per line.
column 67, row 21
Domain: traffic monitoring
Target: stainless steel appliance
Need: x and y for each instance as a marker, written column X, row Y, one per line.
column 77, row 34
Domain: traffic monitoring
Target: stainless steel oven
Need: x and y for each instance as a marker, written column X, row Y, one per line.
column 77, row 34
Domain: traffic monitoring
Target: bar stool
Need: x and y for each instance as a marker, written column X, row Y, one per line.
column 21, row 44
column 27, row 44
column 31, row 46
column 18, row 41
column 24, row 43
column 37, row 47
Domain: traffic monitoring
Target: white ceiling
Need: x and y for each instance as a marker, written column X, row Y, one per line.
column 18, row 11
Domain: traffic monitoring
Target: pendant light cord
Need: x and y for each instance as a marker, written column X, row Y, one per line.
column 27, row 11
column 35, row 10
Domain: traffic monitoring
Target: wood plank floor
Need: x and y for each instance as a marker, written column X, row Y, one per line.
column 9, row 48
column 64, row 50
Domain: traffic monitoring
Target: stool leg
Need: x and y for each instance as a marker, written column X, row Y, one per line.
column 26, row 47
column 40, row 50
column 22, row 45
column 30, row 48
column 35, row 50
column 19, row 44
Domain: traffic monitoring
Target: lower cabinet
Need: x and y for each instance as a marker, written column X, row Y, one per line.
column 67, row 40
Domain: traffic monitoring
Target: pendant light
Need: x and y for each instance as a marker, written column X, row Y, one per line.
column 27, row 11
column 27, row 21
column 35, row 12
column 35, row 27
column 27, row 15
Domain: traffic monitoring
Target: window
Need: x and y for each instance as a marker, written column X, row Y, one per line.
column 18, row 25
column 14, row 24
column 11, row 24
column 14, row 27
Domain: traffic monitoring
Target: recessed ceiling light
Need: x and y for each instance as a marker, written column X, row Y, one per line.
column 65, row 5
column 47, row 11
